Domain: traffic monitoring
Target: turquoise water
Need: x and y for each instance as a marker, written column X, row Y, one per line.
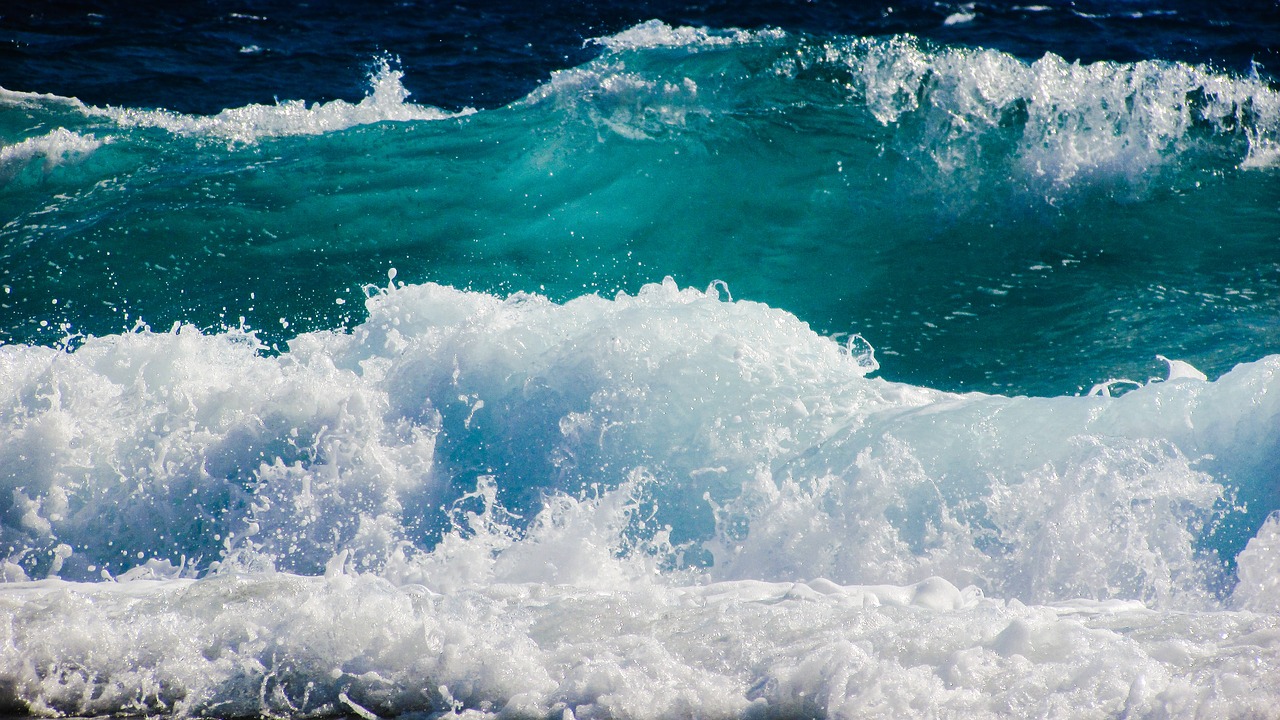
column 988, row 224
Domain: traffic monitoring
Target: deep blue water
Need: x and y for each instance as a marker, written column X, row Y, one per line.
column 460, row 54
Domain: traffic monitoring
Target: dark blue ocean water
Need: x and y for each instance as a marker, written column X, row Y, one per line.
column 459, row 54
column 644, row 360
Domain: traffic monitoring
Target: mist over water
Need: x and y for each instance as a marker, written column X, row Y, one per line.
column 724, row 372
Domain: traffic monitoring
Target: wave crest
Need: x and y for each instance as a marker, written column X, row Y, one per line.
column 1063, row 123
column 385, row 102
column 752, row 447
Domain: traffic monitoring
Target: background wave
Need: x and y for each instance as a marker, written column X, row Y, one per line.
column 1054, row 224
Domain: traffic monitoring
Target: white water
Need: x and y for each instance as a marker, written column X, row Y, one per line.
column 657, row 34
column 651, row 506
column 385, row 101
column 234, row 645
column 1083, row 123
column 53, row 149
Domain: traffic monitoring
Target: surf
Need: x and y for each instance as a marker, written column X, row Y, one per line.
column 703, row 485
column 371, row 407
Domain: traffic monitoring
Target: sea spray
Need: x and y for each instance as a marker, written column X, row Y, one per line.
column 172, row 445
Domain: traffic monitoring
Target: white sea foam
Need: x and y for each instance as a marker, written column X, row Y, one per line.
column 964, row 14
column 234, row 645
column 1104, row 119
column 614, row 100
column 636, row 104
column 657, row 34
column 1056, row 125
column 1264, row 152
column 742, row 420
column 54, row 148
column 21, row 99
column 616, row 507
column 386, row 101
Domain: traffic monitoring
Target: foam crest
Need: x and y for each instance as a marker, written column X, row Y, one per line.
column 969, row 116
column 386, row 101
column 31, row 100
column 739, row 440
column 609, row 97
column 657, row 34
column 54, row 148
column 1073, row 122
column 164, row 445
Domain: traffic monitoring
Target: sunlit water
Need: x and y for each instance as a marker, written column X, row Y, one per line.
column 728, row 374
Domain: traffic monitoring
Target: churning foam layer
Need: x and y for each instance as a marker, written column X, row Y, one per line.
column 759, row 450
column 647, row 506
column 386, row 101
column 284, row 645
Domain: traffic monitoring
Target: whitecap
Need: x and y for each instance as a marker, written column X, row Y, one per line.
column 386, row 102
column 56, row 147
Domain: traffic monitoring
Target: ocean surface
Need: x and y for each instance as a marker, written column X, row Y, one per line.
column 640, row 361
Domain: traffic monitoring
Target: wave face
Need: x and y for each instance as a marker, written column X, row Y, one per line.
column 525, row 475
column 1054, row 224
